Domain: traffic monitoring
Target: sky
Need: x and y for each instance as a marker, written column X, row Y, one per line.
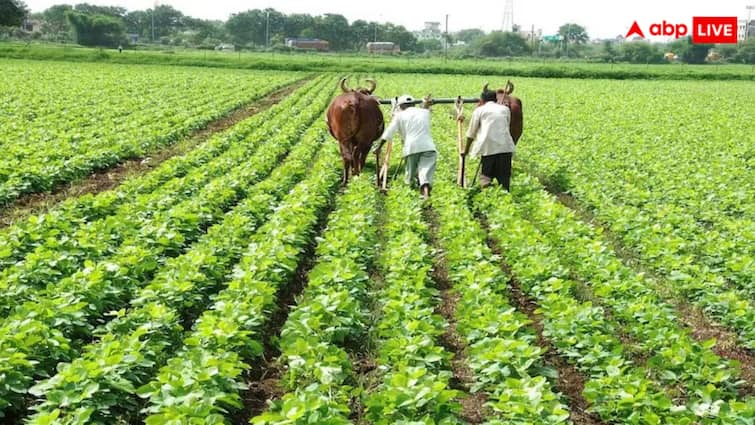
column 602, row 19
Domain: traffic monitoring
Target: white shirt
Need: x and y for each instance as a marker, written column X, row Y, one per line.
column 414, row 126
column 490, row 128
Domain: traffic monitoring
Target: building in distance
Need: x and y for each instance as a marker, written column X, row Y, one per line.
column 308, row 44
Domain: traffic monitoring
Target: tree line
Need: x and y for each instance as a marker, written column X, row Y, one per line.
column 256, row 29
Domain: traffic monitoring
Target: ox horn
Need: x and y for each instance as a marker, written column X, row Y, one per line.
column 509, row 88
column 485, row 87
column 373, row 85
column 343, row 85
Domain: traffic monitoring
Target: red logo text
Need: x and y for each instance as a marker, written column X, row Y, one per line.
column 714, row 29
column 705, row 29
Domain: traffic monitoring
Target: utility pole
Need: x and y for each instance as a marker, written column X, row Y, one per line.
column 267, row 31
column 747, row 24
column 446, row 40
column 153, row 21
column 153, row 24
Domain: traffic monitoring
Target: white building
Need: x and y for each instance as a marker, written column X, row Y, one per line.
column 430, row 32
column 741, row 29
column 532, row 36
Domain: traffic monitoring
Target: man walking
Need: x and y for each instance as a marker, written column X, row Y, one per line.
column 489, row 129
column 419, row 149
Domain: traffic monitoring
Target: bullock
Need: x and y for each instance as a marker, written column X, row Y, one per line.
column 503, row 96
column 356, row 121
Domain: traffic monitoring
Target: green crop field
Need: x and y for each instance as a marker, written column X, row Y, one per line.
column 239, row 282
column 61, row 121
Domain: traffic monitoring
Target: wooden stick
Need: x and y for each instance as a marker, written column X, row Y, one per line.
column 384, row 168
column 460, row 179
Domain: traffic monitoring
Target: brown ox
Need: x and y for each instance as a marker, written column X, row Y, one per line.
column 503, row 96
column 356, row 121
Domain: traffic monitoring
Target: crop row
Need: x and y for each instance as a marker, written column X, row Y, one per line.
column 137, row 342
column 203, row 380
column 108, row 122
column 693, row 281
column 677, row 359
column 413, row 369
column 693, row 372
column 79, row 227
column 501, row 348
column 618, row 389
column 673, row 184
column 331, row 317
column 47, row 328
column 146, row 193
column 501, row 352
column 132, row 225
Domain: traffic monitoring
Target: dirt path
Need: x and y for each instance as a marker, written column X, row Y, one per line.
column 263, row 379
column 570, row 381
column 473, row 409
column 102, row 180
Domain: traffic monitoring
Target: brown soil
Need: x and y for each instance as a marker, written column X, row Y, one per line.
column 570, row 381
column 473, row 409
column 102, row 180
column 367, row 375
column 726, row 344
column 263, row 385
column 263, row 380
column 701, row 327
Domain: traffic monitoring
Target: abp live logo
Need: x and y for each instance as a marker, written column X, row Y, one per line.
column 705, row 29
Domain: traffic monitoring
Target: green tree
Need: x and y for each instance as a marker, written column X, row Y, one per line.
column 294, row 24
column 362, row 32
column 247, row 27
column 429, row 45
column 607, row 51
column 641, row 52
column 727, row 51
column 573, row 33
column 12, row 12
column 97, row 29
column 167, row 20
column 54, row 20
column 469, row 36
column 499, row 43
column 114, row 11
column 139, row 22
column 690, row 52
column 333, row 28
column 399, row 35
column 250, row 27
column 746, row 53
column 203, row 30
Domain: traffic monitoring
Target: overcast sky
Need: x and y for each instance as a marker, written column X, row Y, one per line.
column 602, row 19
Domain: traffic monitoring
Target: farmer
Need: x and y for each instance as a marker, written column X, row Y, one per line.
column 419, row 149
column 489, row 129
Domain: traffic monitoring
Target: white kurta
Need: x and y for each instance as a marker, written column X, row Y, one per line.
column 489, row 127
column 413, row 124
